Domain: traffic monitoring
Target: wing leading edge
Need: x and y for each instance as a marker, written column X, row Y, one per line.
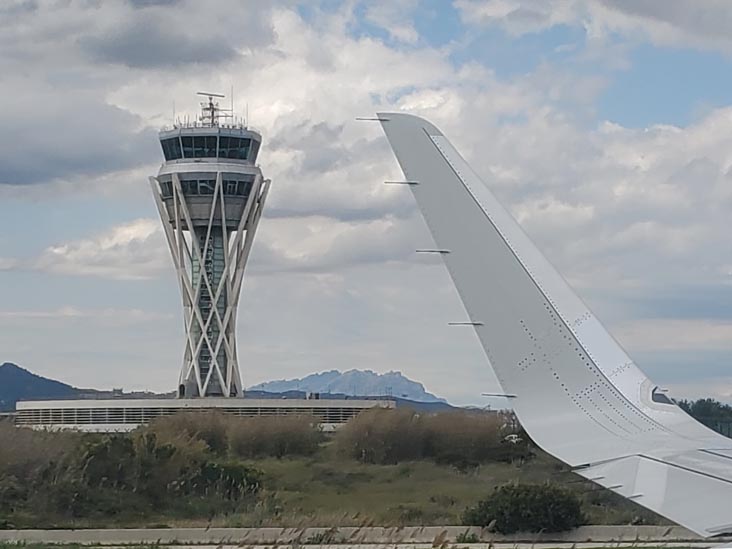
column 579, row 395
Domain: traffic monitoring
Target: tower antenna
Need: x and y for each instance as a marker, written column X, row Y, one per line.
column 211, row 112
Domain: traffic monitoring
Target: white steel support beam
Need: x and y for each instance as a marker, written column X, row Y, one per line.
column 210, row 291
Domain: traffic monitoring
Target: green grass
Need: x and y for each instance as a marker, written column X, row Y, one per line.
column 327, row 490
column 408, row 493
column 325, row 539
column 22, row 545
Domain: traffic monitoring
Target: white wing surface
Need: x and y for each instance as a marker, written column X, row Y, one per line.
column 578, row 394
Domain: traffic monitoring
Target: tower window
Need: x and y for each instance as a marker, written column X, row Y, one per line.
column 171, row 148
column 224, row 146
column 255, row 150
column 243, row 149
column 236, row 187
column 229, row 149
column 199, row 147
column 206, row 186
column 244, row 188
column 234, row 147
column 167, row 189
column 175, row 148
column 211, row 146
column 187, row 146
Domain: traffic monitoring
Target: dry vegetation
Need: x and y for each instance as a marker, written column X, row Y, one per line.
column 461, row 439
column 387, row 467
column 245, row 438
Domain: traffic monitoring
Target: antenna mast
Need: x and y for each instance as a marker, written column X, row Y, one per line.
column 210, row 110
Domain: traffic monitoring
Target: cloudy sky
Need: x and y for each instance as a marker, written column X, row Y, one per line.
column 604, row 125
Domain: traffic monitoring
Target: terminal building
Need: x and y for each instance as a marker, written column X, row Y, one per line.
column 210, row 194
column 120, row 414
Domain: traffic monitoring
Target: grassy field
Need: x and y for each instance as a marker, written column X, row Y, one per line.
column 326, row 490
column 387, row 468
column 619, row 545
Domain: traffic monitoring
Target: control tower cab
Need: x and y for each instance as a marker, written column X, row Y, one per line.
column 210, row 194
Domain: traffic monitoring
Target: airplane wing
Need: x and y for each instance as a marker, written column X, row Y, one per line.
column 578, row 394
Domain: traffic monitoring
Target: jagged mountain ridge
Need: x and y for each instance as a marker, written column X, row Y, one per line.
column 354, row 383
column 17, row 383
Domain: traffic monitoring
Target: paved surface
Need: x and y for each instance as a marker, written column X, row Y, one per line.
column 586, row 537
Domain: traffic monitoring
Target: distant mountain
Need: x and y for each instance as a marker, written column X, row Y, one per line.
column 436, row 406
column 354, row 383
column 17, row 384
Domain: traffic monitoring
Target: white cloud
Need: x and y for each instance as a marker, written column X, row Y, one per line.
column 523, row 16
column 321, row 244
column 315, row 244
column 8, row 263
column 109, row 315
column 719, row 388
column 134, row 250
column 704, row 25
column 613, row 207
column 394, row 17
column 672, row 334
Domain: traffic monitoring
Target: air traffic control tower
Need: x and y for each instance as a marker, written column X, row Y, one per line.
column 210, row 194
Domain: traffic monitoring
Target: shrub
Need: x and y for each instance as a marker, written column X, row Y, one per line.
column 232, row 481
column 274, row 436
column 461, row 439
column 109, row 461
column 24, row 452
column 383, row 436
column 212, row 428
column 527, row 508
column 467, row 439
column 11, row 490
column 251, row 437
column 140, row 462
column 70, row 476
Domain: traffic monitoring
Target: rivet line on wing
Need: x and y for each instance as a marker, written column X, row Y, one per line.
column 619, row 395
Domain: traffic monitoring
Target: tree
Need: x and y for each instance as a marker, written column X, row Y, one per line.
column 711, row 413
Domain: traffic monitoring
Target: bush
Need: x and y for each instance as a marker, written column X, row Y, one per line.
column 467, row 439
column 527, row 508
column 274, row 436
column 24, row 452
column 383, row 436
column 65, row 476
column 245, row 437
column 232, row 481
column 211, row 428
column 461, row 439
